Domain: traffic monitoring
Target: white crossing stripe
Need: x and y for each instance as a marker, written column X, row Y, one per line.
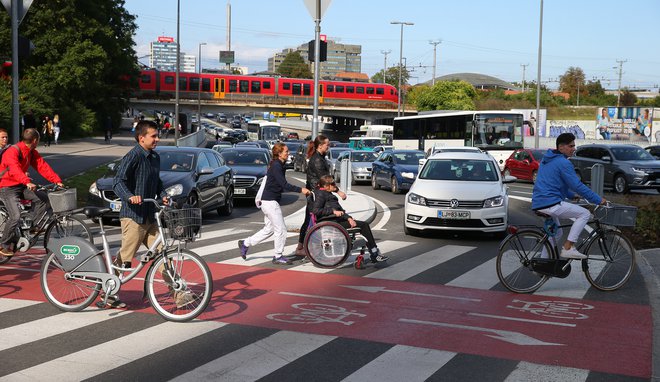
column 258, row 258
column 482, row 277
column 98, row 359
column 527, row 371
column 573, row 286
column 53, row 325
column 258, row 359
column 7, row 304
column 228, row 245
column 418, row 264
column 402, row 363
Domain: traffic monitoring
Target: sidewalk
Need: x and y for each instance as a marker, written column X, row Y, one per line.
column 649, row 266
column 359, row 206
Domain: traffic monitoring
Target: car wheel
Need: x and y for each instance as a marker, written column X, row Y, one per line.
column 534, row 173
column 507, row 172
column 395, row 186
column 620, row 184
column 374, row 183
column 228, row 208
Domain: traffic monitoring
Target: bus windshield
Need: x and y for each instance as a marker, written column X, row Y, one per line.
column 270, row 133
column 497, row 130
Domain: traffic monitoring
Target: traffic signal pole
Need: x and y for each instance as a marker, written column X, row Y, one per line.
column 317, row 66
column 15, row 109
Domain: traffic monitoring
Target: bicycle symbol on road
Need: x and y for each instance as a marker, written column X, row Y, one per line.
column 554, row 309
column 316, row 314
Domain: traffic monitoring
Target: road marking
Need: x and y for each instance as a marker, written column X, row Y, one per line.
column 7, row 304
column 386, row 215
column 515, row 338
column 525, row 199
column 325, row 297
column 258, row 359
column 377, row 289
column 227, row 245
column 421, row 263
column 98, row 359
column 19, row 268
column 402, row 363
column 521, row 319
column 527, row 371
column 258, row 257
column 482, row 277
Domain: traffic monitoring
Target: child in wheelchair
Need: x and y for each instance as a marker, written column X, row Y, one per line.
column 326, row 207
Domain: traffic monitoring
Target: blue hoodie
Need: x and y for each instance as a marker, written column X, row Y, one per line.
column 557, row 181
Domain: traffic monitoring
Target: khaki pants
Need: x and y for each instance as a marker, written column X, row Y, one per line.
column 133, row 235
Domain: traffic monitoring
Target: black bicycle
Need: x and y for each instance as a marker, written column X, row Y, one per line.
column 60, row 223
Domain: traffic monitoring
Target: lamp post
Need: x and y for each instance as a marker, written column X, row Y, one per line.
column 402, row 23
column 538, row 81
column 199, row 87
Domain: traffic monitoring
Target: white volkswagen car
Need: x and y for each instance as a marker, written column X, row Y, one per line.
column 458, row 191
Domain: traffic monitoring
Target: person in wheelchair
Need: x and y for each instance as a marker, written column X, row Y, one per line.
column 326, row 207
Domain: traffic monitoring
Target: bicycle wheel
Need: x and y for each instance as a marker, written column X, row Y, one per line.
column 67, row 225
column 514, row 262
column 327, row 244
column 183, row 295
column 3, row 221
column 66, row 293
column 610, row 262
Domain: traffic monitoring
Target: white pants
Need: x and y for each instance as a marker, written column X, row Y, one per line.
column 566, row 210
column 273, row 225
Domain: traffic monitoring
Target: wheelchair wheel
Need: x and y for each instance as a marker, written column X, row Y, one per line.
column 327, row 244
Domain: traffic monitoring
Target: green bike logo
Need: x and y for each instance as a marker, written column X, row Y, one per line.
column 71, row 250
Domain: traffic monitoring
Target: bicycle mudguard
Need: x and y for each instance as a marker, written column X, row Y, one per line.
column 551, row 267
column 74, row 252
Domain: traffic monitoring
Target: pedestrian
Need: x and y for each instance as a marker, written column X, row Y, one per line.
column 107, row 127
column 166, row 127
column 274, row 223
column 4, row 140
column 316, row 168
column 47, row 131
column 56, row 127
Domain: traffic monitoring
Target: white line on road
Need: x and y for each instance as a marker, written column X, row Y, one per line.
column 386, row 215
column 325, row 297
column 521, row 319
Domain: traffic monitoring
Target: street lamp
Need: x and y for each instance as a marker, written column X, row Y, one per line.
column 199, row 86
column 402, row 23
column 538, row 80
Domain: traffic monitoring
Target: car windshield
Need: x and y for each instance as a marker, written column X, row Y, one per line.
column 293, row 147
column 333, row 154
column 408, row 158
column 371, row 142
column 631, row 153
column 176, row 161
column 460, row 169
column 364, row 156
column 245, row 158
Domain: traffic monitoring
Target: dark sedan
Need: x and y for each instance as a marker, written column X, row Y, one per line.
column 396, row 169
column 293, row 148
column 250, row 165
column 235, row 135
column 199, row 176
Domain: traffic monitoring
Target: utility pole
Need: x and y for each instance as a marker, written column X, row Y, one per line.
column 228, row 32
column 435, row 45
column 178, row 68
column 618, row 95
column 402, row 23
column 524, row 66
column 385, row 53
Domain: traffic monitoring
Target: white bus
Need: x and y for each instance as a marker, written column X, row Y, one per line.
column 384, row 132
column 263, row 130
column 498, row 132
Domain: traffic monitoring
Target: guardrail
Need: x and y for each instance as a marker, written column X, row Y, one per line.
column 195, row 139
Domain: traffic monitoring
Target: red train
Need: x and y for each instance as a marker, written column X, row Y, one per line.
column 266, row 90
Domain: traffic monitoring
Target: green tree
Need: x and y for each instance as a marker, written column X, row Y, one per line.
column 628, row 98
column 446, row 95
column 392, row 76
column 83, row 66
column 294, row 66
column 571, row 81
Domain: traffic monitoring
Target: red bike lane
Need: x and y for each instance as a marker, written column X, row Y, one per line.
column 546, row 330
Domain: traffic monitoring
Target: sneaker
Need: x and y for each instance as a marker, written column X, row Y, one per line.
column 572, row 254
column 281, row 261
column 6, row 252
column 377, row 257
column 183, row 298
column 244, row 249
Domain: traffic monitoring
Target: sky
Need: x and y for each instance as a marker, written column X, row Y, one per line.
column 492, row 37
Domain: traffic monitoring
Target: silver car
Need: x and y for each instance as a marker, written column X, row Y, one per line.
column 361, row 162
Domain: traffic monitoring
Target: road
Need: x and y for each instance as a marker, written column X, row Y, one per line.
column 436, row 311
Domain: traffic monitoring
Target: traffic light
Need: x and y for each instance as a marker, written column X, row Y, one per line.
column 6, row 69
column 323, row 55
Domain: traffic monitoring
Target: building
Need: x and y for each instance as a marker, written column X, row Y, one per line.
column 341, row 58
column 163, row 56
column 479, row 81
column 188, row 63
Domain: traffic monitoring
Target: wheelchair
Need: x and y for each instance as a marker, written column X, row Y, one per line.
column 328, row 245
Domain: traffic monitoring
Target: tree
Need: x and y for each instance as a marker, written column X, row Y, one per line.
column 570, row 81
column 83, row 66
column 392, row 76
column 446, row 95
column 628, row 98
column 294, row 66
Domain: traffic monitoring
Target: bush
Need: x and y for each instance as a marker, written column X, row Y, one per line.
column 646, row 233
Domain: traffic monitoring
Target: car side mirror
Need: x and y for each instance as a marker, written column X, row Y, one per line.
column 509, row 179
column 526, row 161
column 422, row 162
column 112, row 166
column 606, row 158
column 205, row 171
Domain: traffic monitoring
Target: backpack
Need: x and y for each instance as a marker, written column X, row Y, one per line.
column 2, row 152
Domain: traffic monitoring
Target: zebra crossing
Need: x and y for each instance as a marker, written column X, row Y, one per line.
column 119, row 344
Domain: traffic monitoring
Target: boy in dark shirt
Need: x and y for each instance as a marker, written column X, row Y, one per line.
column 327, row 205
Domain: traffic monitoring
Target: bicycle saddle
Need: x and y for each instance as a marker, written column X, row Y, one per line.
column 94, row 212
column 541, row 214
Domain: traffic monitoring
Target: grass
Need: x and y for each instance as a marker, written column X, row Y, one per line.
column 584, row 113
column 81, row 182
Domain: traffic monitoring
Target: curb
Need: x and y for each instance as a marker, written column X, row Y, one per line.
column 649, row 266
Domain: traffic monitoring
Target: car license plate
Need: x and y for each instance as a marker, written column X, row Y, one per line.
column 239, row 191
column 454, row 214
column 115, row 206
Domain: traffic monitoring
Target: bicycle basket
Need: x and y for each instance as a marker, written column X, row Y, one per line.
column 617, row 215
column 62, row 201
column 184, row 224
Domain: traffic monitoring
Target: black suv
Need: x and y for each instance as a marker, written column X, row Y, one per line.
column 626, row 166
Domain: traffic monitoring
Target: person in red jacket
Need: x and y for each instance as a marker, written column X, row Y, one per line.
column 16, row 184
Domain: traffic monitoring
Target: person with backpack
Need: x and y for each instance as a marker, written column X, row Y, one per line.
column 16, row 185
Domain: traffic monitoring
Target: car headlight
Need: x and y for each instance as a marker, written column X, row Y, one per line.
column 174, row 190
column 260, row 180
column 408, row 175
column 642, row 170
column 94, row 190
column 497, row 201
column 416, row 199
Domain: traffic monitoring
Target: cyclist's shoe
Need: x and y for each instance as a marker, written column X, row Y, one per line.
column 281, row 261
column 184, row 298
column 113, row 302
column 244, row 249
column 377, row 257
column 572, row 254
column 6, row 252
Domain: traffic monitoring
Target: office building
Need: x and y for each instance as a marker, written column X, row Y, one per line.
column 163, row 56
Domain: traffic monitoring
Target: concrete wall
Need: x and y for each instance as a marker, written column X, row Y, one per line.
column 585, row 133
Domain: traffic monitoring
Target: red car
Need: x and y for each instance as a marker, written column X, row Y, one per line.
column 524, row 163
